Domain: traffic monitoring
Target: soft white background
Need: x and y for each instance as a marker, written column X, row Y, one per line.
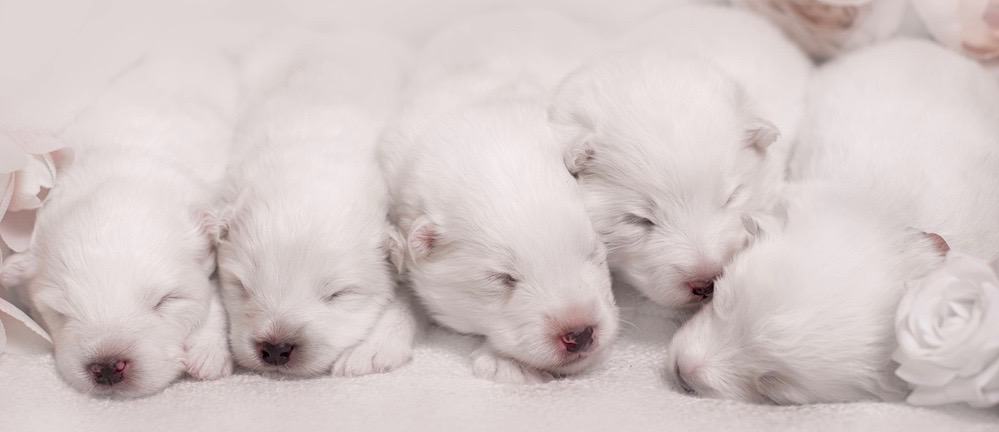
column 56, row 55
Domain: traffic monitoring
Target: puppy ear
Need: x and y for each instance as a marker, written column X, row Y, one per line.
column 214, row 223
column 758, row 225
column 424, row 236
column 760, row 134
column 779, row 389
column 931, row 241
column 577, row 157
column 395, row 248
column 18, row 269
column 573, row 116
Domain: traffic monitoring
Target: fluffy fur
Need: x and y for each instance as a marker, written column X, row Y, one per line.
column 900, row 141
column 498, row 241
column 679, row 141
column 304, row 259
column 122, row 255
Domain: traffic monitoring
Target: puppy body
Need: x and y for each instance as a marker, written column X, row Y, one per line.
column 899, row 141
column 680, row 137
column 304, row 259
column 122, row 256
column 498, row 242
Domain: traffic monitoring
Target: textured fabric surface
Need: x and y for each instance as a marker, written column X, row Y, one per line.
column 437, row 392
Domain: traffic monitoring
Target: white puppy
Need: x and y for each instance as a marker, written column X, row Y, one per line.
column 678, row 139
column 899, row 141
column 498, row 241
column 304, row 256
column 122, row 253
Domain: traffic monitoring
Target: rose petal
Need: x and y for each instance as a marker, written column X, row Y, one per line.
column 12, row 157
column 960, row 391
column 16, row 229
column 991, row 16
column 21, row 334
column 35, row 141
column 6, row 192
column 923, row 373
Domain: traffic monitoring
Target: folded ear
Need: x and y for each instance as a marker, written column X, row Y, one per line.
column 573, row 117
column 760, row 134
column 18, row 269
column 213, row 224
column 759, row 224
column 932, row 241
column 424, row 236
column 577, row 157
column 395, row 247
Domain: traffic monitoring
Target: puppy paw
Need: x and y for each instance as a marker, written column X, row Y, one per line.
column 487, row 364
column 208, row 361
column 375, row 355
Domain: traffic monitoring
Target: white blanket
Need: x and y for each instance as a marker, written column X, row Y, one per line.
column 437, row 392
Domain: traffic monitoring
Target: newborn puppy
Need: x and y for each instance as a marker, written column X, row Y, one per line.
column 899, row 153
column 122, row 253
column 304, row 253
column 677, row 142
column 497, row 238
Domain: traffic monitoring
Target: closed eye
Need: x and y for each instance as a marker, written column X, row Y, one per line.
column 735, row 194
column 329, row 298
column 508, row 280
column 166, row 300
column 641, row 221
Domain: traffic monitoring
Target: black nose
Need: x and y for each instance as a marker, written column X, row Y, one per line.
column 276, row 355
column 108, row 373
column 578, row 340
column 703, row 289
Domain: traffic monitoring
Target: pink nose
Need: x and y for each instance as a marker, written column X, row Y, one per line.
column 702, row 288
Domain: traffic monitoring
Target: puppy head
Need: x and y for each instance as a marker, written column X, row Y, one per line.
column 120, row 288
column 510, row 253
column 302, row 281
column 671, row 161
column 806, row 314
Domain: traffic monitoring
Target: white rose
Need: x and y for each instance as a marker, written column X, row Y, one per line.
column 27, row 171
column 948, row 334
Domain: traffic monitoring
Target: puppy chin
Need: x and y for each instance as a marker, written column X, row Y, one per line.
column 149, row 371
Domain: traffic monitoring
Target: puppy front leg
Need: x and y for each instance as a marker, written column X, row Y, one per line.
column 206, row 353
column 490, row 365
column 387, row 347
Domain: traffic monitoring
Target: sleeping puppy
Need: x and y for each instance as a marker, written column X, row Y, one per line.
column 122, row 252
column 678, row 139
column 898, row 163
column 304, row 250
column 498, row 242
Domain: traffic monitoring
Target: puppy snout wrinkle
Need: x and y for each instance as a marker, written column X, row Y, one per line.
column 276, row 354
column 578, row 340
column 109, row 372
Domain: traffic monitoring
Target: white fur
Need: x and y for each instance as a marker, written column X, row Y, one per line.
column 123, row 230
column 899, row 140
column 480, row 193
column 680, row 138
column 304, row 257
